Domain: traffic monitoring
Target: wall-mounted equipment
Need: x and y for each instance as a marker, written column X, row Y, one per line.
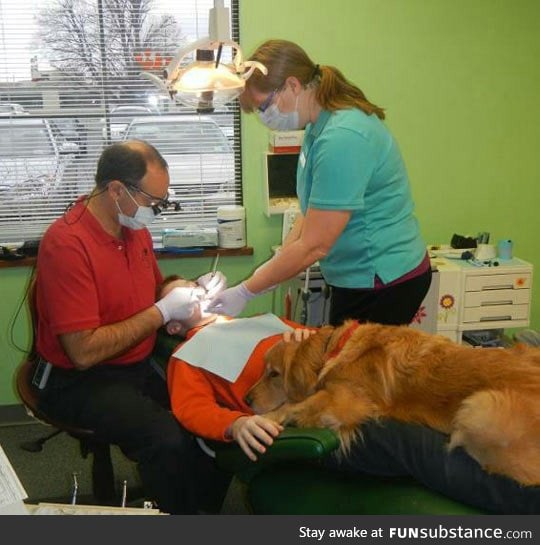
column 280, row 181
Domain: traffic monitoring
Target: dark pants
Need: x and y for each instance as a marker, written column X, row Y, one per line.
column 391, row 448
column 392, row 305
column 128, row 406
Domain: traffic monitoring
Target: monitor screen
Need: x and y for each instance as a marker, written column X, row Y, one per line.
column 281, row 169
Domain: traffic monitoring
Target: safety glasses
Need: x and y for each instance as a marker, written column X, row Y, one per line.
column 158, row 204
column 268, row 100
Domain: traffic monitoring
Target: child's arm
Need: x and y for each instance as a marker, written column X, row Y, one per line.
column 194, row 403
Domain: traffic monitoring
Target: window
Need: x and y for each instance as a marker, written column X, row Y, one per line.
column 72, row 82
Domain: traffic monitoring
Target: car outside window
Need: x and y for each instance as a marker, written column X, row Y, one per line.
column 181, row 137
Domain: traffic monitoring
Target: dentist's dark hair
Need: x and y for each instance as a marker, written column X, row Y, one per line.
column 127, row 162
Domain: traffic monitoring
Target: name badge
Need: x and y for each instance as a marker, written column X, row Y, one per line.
column 302, row 159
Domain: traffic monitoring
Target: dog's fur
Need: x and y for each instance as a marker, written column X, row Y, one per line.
column 487, row 400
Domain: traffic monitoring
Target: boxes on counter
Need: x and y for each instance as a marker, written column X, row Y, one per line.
column 285, row 141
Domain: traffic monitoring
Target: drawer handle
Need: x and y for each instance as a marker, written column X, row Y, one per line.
column 494, row 318
column 496, row 303
column 498, row 287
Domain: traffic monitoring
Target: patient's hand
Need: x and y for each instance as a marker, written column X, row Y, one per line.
column 298, row 335
column 254, row 434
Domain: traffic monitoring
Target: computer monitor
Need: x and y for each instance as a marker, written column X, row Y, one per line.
column 280, row 173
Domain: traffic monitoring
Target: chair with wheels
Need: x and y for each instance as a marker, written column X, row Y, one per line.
column 103, row 486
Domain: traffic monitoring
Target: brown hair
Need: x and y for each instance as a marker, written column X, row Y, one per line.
column 284, row 59
column 166, row 282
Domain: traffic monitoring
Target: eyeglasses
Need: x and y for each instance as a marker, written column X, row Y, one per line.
column 158, row 204
column 268, row 100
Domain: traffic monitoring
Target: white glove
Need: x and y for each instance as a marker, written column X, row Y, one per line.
column 180, row 303
column 231, row 301
column 213, row 283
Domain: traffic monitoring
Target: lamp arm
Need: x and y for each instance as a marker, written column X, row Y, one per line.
column 157, row 81
column 254, row 65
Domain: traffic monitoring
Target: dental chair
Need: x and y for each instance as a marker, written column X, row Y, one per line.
column 290, row 480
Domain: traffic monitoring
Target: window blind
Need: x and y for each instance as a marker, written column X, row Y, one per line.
column 71, row 83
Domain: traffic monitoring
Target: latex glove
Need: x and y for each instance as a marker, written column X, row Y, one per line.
column 213, row 283
column 180, row 303
column 254, row 434
column 231, row 301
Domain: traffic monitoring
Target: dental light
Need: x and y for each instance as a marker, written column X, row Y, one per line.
column 207, row 82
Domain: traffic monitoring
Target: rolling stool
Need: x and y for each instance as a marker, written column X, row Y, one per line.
column 102, row 470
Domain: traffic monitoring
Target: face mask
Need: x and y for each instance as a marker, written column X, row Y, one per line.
column 143, row 217
column 276, row 120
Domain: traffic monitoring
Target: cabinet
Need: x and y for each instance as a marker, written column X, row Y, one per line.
column 472, row 298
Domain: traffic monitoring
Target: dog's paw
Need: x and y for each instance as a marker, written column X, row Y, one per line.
column 280, row 415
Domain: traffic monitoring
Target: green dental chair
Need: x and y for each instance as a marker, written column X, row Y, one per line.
column 288, row 480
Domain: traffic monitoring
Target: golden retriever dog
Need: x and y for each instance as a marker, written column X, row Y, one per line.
column 487, row 400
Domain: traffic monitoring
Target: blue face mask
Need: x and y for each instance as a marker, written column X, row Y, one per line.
column 143, row 217
column 276, row 120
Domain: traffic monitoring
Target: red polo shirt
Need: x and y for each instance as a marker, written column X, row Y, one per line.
column 86, row 278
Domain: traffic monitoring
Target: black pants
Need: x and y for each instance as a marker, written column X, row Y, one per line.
column 393, row 305
column 391, row 448
column 128, row 406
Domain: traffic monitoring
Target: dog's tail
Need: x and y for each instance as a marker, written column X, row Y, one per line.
column 500, row 429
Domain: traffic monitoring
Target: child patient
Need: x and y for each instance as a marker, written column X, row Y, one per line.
column 211, row 407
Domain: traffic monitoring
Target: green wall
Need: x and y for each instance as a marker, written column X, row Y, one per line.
column 460, row 81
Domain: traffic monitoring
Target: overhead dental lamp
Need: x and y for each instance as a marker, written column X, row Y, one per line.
column 207, row 82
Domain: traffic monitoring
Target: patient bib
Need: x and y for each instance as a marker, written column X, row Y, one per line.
column 225, row 348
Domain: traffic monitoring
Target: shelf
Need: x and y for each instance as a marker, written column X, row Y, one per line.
column 223, row 252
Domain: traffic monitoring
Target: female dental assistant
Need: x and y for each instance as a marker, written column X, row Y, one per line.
column 357, row 213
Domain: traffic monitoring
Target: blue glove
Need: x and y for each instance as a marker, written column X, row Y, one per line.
column 231, row 301
column 213, row 282
column 180, row 303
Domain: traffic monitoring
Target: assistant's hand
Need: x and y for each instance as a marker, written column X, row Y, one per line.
column 213, row 282
column 254, row 434
column 180, row 303
column 231, row 301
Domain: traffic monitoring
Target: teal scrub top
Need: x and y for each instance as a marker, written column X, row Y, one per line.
column 350, row 161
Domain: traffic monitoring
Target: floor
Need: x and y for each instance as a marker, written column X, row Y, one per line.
column 48, row 475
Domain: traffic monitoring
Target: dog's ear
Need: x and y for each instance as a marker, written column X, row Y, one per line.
column 303, row 363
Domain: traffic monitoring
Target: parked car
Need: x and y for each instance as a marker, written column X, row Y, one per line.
column 32, row 163
column 121, row 117
column 199, row 155
column 11, row 108
column 222, row 115
column 69, row 132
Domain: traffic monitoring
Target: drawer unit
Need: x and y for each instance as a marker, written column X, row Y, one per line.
column 481, row 298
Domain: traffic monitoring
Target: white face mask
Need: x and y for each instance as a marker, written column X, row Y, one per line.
column 143, row 217
column 276, row 120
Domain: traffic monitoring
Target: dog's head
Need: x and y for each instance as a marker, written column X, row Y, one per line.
column 291, row 372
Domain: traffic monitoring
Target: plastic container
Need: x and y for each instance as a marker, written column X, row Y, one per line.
column 231, row 220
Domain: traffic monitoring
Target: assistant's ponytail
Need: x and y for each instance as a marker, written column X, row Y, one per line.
column 334, row 92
